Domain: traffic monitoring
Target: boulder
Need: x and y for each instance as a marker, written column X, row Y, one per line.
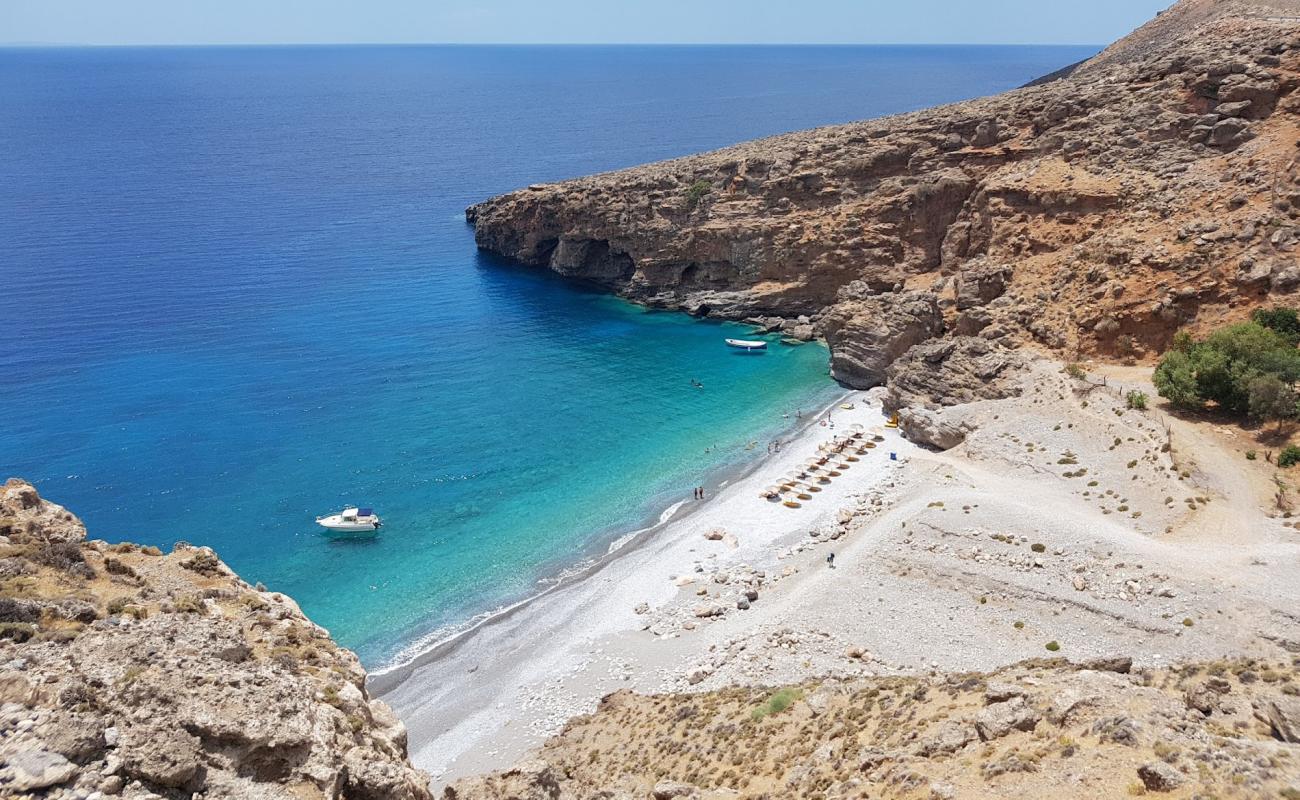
column 866, row 336
column 953, row 371
column 1204, row 696
column 1260, row 96
column 531, row 780
column 1236, row 109
column 932, row 428
column 1067, row 706
column 949, row 737
column 368, row 778
column 981, row 285
column 1120, row 664
column 38, row 769
column 166, row 756
column 24, row 513
column 1001, row 692
column 1283, row 716
column 697, row 675
column 986, row 133
column 1227, row 131
column 670, row 790
column 1000, row 719
column 1158, row 776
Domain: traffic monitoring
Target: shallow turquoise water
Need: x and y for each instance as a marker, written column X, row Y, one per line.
column 240, row 292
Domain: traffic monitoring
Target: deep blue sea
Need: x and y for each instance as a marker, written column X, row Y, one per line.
column 239, row 291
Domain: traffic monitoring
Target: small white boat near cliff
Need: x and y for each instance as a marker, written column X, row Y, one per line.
column 746, row 344
column 351, row 520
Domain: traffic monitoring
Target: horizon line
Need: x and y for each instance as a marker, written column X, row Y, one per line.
column 88, row 45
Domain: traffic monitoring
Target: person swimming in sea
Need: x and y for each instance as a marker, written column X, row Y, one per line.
column 696, row 384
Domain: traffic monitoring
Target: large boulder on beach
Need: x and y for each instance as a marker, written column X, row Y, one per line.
column 933, row 428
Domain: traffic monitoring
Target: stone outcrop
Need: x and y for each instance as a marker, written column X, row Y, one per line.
column 953, row 371
column 127, row 672
column 1151, row 188
column 1035, row 729
column 869, row 334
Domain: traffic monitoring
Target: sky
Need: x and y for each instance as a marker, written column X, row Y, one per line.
column 572, row 21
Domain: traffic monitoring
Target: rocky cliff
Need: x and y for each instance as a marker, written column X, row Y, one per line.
column 128, row 672
column 1035, row 730
column 1151, row 188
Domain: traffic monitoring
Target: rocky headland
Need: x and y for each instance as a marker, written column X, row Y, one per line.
column 127, row 672
column 1152, row 188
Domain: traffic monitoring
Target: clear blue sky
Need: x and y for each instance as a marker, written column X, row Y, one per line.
column 571, row 21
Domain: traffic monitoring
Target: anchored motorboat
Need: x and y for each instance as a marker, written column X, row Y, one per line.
column 746, row 344
column 351, row 520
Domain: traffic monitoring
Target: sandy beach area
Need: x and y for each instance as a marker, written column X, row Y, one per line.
column 483, row 699
column 1065, row 525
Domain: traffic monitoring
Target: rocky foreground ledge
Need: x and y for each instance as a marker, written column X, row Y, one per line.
column 126, row 672
column 1153, row 188
column 1040, row 729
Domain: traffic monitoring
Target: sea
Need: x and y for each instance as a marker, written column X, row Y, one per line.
column 238, row 291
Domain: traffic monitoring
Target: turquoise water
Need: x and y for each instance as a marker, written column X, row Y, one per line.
column 239, row 292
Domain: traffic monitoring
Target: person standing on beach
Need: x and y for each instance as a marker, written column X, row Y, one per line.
column 830, row 561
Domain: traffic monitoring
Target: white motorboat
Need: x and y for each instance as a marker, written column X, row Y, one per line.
column 351, row 520
column 746, row 344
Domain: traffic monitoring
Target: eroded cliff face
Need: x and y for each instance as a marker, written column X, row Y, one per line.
column 127, row 672
column 1153, row 188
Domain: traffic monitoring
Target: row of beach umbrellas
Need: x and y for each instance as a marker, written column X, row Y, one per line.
column 832, row 458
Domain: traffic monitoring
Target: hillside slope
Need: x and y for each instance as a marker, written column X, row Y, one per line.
column 1040, row 729
column 1154, row 188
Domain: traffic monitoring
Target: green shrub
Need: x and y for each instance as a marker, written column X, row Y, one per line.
column 1282, row 320
column 1175, row 380
column 1136, row 400
column 697, row 191
column 1076, row 371
column 1268, row 398
column 1250, row 455
column 1038, row 547
column 1052, row 646
column 1221, row 368
column 1289, row 457
column 778, row 702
